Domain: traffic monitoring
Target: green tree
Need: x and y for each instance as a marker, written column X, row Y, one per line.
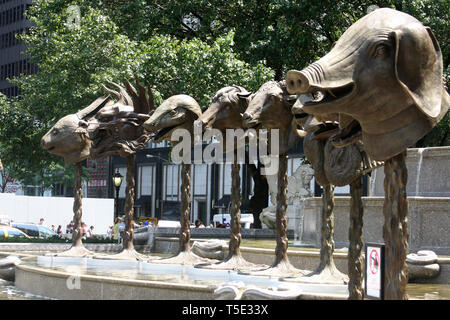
column 75, row 61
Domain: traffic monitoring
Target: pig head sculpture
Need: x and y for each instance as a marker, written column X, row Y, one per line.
column 384, row 79
column 69, row 137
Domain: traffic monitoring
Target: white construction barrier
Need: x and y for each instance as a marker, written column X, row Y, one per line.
column 57, row 211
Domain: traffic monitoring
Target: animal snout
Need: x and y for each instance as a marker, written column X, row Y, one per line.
column 43, row 143
column 248, row 121
column 297, row 82
column 149, row 126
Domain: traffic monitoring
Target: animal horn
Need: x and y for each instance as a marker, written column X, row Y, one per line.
column 114, row 93
column 123, row 97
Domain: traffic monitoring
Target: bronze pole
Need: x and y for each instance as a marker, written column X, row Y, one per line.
column 281, row 221
column 77, row 206
column 395, row 229
column 236, row 237
column 185, row 208
column 327, row 248
column 355, row 257
column 129, row 205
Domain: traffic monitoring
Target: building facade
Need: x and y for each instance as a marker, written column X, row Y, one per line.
column 13, row 61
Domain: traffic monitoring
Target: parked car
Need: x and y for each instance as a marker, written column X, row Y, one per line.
column 7, row 232
column 35, row 230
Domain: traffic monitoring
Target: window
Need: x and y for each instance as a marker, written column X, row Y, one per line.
column 15, row 233
column 45, row 233
column 30, row 230
column 145, row 178
column 172, row 181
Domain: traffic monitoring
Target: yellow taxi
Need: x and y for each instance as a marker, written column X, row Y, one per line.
column 7, row 232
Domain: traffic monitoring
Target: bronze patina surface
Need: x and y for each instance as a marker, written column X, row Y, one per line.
column 384, row 80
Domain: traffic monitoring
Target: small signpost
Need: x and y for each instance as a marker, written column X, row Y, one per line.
column 374, row 271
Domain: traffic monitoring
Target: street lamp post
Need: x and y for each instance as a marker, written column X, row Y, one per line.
column 117, row 180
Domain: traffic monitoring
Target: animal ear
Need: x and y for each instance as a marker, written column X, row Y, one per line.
column 93, row 108
column 418, row 68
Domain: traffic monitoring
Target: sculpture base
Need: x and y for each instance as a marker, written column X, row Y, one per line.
column 301, row 244
column 327, row 275
column 281, row 269
column 74, row 251
column 126, row 254
column 185, row 258
column 235, row 262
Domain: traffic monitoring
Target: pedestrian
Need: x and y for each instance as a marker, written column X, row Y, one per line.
column 53, row 228
column 109, row 232
column 41, row 221
column 59, row 231
column 90, row 232
column 69, row 227
column 83, row 230
column 116, row 229
column 199, row 224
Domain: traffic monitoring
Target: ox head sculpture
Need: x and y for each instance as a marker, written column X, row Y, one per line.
column 270, row 108
column 384, row 79
column 226, row 109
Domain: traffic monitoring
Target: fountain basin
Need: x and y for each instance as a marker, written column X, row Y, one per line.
column 62, row 278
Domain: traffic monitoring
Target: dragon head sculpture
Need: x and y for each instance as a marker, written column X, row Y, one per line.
column 117, row 128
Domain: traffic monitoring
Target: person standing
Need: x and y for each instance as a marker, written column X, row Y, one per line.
column 90, row 232
column 116, row 229
column 59, row 231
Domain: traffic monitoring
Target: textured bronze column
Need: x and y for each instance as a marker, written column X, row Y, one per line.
column 129, row 205
column 327, row 248
column 355, row 256
column 77, row 249
column 235, row 226
column 77, row 206
column 395, row 229
column 185, row 208
column 281, row 221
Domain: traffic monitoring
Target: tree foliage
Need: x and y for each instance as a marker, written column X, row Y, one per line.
column 75, row 61
column 193, row 47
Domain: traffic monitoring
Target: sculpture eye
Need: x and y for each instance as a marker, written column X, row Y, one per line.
column 173, row 112
column 382, row 50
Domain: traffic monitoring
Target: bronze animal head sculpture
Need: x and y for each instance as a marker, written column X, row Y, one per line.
column 270, row 108
column 384, row 79
column 226, row 109
column 69, row 137
column 117, row 128
column 176, row 112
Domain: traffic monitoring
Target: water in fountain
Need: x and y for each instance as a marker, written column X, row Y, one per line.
column 419, row 166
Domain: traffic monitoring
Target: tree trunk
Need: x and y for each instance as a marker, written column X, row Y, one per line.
column 77, row 206
column 185, row 208
column 281, row 221
column 395, row 229
column 355, row 257
column 129, row 205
